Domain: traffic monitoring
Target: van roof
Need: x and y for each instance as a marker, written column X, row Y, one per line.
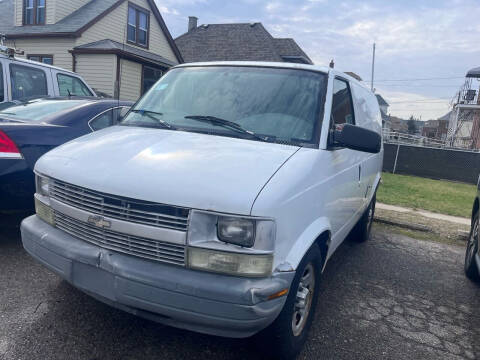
column 281, row 65
column 36, row 63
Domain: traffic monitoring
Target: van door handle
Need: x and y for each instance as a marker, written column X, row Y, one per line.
column 359, row 173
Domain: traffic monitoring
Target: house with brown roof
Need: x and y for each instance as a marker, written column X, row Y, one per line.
column 119, row 47
column 237, row 42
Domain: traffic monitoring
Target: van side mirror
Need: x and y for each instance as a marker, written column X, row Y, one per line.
column 358, row 138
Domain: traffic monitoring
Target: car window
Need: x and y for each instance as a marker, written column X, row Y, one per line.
column 27, row 82
column 38, row 110
column 102, row 121
column 70, row 85
column 2, row 93
column 342, row 107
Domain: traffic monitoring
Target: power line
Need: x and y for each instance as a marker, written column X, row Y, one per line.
column 413, row 109
column 456, row 86
column 420, row 101
column 421, row 79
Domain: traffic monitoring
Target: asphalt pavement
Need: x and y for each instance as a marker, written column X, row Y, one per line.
column 393, row 297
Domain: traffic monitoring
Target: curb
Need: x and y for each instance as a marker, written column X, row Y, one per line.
column 461, row 235
column 415, row 227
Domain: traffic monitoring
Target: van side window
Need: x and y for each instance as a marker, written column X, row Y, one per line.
column 70, row 85
column 27, row 82
column 2, row 92
column 342, row 106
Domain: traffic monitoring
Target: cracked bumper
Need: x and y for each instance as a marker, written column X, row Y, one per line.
column 199, row 301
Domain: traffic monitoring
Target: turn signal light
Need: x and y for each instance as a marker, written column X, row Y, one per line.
column 8, row 149
column 278, row 294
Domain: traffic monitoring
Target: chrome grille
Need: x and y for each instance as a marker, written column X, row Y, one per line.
column 136, row 211
column 128, row 244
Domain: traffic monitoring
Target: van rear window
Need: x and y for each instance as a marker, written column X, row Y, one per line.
column 27, row 82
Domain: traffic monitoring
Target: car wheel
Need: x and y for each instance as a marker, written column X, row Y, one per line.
column 364, row 226
column 285, row 337
column 471, row 269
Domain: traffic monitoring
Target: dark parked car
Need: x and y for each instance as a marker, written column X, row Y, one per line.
column 472, row 255
column 29, row 130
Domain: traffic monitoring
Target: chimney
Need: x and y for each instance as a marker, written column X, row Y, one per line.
column 192, row 22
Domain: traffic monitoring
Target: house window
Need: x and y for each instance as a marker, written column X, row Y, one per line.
column 150, row 77
column 46, row 59
column 137, row 25
column 34, row 12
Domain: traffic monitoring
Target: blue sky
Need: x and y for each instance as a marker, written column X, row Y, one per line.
column 415, row 40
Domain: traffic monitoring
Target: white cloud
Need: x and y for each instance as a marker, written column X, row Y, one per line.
column 272, row 6
column 166, row 10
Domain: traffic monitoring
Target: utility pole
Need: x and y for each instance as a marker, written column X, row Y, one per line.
column 373, row 66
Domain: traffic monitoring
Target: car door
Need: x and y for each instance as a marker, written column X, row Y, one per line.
column 345, row 200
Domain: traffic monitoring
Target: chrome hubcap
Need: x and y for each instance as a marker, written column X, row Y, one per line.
column 303, row 301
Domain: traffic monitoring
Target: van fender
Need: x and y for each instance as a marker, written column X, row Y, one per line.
column 305, row 241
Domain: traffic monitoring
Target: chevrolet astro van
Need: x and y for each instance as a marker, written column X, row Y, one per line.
column 216, row 203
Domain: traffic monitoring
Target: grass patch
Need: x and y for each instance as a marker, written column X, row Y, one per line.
column 440, row 196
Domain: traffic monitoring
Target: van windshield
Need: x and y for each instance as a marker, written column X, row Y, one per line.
column 258, row 103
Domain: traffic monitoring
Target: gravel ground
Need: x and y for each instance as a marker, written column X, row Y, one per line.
column 393, row 297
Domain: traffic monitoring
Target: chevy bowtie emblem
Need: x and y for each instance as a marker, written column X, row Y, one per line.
column 99, row 221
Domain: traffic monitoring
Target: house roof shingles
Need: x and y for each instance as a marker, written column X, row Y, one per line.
column 237, row 42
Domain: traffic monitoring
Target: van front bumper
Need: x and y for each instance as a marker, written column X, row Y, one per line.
column 199, row 301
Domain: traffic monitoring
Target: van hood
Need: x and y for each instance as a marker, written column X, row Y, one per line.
column 171, row 167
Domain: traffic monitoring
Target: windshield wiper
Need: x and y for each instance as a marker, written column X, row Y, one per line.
column 225, row 123
column 151, row 114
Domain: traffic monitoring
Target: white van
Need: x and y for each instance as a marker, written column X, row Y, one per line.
column 22, row 79
column 217, row 202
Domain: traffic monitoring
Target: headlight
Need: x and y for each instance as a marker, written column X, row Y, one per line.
column 44, row 212
column 236, row 231
column 42, row 185
column 230, row 263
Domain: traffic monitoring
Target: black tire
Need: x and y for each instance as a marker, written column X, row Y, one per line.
column 285, row 337
column 471, row 269
column 364, row 226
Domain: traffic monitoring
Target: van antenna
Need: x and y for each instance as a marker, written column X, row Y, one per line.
column 119, row 63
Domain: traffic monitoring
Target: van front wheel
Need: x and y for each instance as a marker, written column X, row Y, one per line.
column 285, row 337
column 471, row 269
